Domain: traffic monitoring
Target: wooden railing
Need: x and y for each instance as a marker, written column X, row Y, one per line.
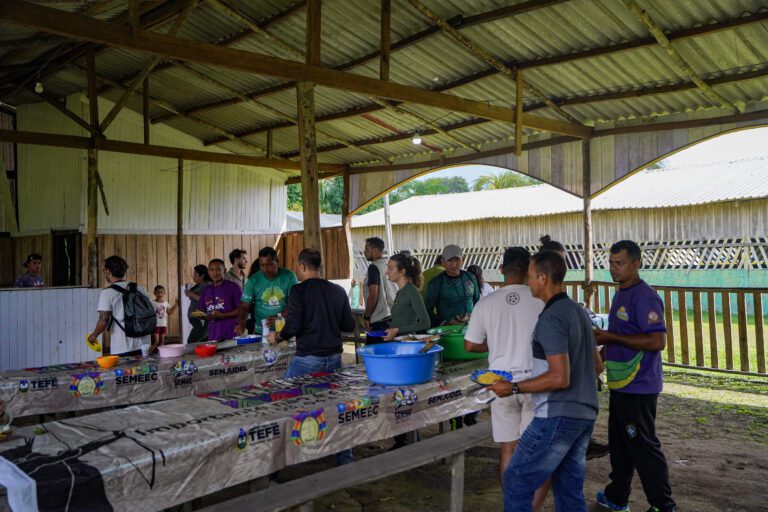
column 703, row 330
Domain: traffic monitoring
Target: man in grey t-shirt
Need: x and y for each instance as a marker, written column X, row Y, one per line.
column 565, row 399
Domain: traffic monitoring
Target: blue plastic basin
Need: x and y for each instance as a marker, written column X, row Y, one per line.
column 398, row 364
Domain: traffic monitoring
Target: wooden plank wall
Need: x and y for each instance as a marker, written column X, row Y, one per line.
column 152, row 259
column 45, row 326
column 335, row 256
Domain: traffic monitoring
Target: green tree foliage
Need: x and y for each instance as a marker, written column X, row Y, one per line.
column 332, row 191
column 502, row 179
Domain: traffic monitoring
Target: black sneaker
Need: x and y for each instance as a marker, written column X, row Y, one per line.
column 596, row 450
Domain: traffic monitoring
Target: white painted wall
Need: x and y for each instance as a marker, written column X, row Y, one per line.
column 140, row 190
column 46, row 326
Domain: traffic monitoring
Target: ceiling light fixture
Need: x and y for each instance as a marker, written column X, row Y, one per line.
column 39, row 87
column 416, row 139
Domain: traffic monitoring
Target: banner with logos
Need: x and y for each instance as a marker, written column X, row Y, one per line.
column 136, row 379
column 154, row 456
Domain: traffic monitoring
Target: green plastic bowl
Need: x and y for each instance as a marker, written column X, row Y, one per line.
column 452, row 340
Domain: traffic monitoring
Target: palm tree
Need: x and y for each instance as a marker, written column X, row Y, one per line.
column 503, row 179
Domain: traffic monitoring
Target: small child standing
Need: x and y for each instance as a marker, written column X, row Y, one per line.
column 163, row 311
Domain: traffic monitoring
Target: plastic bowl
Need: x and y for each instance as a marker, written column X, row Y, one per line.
column 175, row 350
column 452, row 339
column 399, row 364
column 205, row 350
column 107, row 361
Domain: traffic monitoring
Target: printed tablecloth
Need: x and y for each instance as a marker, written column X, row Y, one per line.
column 136, row 379
column 154, row 456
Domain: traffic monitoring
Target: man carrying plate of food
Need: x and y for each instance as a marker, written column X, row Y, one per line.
column 502, row 324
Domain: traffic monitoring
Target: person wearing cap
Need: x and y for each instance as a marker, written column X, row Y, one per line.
column 430, row 274
column 31, row 278
column 452, row 293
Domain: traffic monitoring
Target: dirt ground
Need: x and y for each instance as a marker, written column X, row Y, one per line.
column 715, row 439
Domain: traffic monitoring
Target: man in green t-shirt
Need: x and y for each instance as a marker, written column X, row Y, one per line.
column 266, row 292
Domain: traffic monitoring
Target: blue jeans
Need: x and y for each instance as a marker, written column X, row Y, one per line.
column 302, row 365
column 549, row 447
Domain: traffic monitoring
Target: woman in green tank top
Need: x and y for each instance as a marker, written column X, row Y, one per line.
column 409, row 315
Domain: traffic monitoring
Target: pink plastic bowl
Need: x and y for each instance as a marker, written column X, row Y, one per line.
column 175, row 350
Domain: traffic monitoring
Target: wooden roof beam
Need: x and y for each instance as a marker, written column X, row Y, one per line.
column 82, row 27
column 137, row 148
column 681, row 64
column 486, row 56
column 457, row 22
column 536, row 63
column 147, row 69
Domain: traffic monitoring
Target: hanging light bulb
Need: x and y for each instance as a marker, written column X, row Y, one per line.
column 416, row 139
column 39, row 87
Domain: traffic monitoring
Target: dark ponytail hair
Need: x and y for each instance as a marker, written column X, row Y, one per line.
column 202, row 271
column 411, row 266
column 547, row 244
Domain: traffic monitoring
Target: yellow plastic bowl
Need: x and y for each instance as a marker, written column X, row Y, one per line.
column 107, row 361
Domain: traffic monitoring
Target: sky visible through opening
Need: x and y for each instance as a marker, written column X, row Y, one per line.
column 733, row 146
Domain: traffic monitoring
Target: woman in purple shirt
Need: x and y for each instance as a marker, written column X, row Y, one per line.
column 220, row 302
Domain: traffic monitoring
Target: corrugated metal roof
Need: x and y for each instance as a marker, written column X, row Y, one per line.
column 351, row 30
column 657, row 188
column 294, row 221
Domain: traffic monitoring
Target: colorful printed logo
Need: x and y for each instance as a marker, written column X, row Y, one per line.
column 273, row 296
column 308, row 427
column 85, row 384
column 242, row 440
column 182, row 373
column 270, row 356
column 136, row 375
column 403, row 400
column 622, row 314
column 653, row 317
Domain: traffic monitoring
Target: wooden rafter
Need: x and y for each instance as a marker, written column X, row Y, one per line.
column 246, row 20
column 523, row 65
column 136, row 148
column 155, row 12
column 60, row 105
column 146, row 70
column 385, row 44
column 164, row 105
column 406, row 42
column 677, row 59
column 272, row 110
column 486, row 56
column 223, row 42
column 82, row 27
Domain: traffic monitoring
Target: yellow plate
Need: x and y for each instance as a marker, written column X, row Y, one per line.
column 94, row 345
column 197, row 314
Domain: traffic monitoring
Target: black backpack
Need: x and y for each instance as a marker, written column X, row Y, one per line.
column 140, row 318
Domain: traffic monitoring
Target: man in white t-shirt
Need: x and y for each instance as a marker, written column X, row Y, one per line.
column 111, row 306
column 502, row 324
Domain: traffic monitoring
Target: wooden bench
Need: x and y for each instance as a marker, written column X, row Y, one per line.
column 301, row 492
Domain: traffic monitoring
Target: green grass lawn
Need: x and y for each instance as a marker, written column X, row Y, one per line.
column 752, row 349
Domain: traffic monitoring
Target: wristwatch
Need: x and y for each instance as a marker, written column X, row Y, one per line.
column 515, row 388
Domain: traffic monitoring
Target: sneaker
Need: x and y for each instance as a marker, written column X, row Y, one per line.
column 595, row 450
column 656, row 509
column 605, row 502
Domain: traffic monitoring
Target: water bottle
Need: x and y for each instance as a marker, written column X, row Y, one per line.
column 355, row 292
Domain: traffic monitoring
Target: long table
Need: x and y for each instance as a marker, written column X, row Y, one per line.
column 154, row 456
column 136, row 379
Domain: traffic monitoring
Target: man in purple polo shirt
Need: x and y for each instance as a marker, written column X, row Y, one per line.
column 633, row 342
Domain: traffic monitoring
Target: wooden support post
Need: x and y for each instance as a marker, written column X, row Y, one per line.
column 93, row 176
column 388, row 226
column 92, row 224
column 305, row 95
column 145, row 109
column 457, row 483
column 586, row 191
column 386, row 39
column 134, row 10
column 519, row 87
column 93, row 102
column 180, row 236
column 346, row 221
